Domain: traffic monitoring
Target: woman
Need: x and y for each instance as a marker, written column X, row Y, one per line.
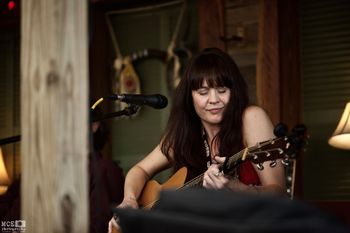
column 210, row 119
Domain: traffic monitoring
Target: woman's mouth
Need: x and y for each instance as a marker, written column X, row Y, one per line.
column 214, row 110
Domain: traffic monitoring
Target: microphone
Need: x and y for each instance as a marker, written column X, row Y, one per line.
column 156, row 101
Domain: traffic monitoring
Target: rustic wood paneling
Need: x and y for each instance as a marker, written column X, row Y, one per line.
column 211, row 23
column 268, row 60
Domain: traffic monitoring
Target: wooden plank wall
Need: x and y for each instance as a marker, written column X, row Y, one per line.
column 211, row 16
column 267, row 75
column 270, row 30
column 54, row 85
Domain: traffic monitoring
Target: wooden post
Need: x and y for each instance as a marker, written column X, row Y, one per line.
column 291, row 97
column 290, row 62
column 267, row 75
column 54, row 115
column 278, row 71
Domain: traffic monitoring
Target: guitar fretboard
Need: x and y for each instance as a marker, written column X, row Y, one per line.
column 195, row 182
column 249, row 153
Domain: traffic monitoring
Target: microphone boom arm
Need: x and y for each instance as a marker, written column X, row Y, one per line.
column 128, row 111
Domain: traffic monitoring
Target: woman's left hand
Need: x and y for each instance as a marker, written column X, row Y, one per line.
column 213, row 177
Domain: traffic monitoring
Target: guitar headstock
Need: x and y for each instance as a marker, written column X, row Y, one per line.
column 285, row 147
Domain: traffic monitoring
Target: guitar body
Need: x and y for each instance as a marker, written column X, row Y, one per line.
column 152, row 189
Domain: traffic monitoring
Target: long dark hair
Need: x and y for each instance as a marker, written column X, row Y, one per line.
column 183, row 135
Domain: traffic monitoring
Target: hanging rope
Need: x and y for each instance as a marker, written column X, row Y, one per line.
column 127, row 81
column 172, row 58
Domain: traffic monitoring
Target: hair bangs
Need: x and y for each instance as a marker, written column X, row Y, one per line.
column 211, row 70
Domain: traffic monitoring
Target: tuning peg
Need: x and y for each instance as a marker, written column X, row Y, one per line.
column 280, row 130
column 287, row 145
column 260, row 166
column 273, row 163
column 285, row 161
column 289, row 191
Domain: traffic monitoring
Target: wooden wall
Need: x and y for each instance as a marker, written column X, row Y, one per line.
column 211, row 24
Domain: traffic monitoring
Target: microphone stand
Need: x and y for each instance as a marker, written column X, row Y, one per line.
column 128, row 111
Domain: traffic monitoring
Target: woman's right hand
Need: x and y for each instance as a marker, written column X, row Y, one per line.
column 128, row 202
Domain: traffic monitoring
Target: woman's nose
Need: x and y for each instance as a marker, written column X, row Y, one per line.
column 213, row 98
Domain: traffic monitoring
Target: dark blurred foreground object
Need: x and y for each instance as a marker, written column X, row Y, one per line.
column 209, row 211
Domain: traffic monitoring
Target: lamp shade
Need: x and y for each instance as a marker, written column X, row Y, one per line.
column 341, row 135
column 4, row 179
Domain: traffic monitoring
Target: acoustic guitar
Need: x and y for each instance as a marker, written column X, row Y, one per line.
column 285, row 147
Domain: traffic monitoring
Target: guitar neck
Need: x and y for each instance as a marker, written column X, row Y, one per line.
column 267, row 148
column 195, row 182
column 261, row 152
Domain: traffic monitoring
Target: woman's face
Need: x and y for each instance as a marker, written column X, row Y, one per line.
column 210, row 103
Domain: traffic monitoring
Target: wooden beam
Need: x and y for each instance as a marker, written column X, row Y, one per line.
column 290, row 62
column 54, row 115
column 278, row 68
column 291, row 94
column 211, row 15
column 267, row 76
column 278, row 71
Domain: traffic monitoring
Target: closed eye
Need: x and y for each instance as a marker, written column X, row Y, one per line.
column 222, row 89
column 203, row 91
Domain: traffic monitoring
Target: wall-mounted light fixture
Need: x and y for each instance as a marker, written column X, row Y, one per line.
column 341, row 136
column 4, row 179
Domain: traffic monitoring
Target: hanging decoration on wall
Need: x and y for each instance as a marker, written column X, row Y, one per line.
column 127, row 81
